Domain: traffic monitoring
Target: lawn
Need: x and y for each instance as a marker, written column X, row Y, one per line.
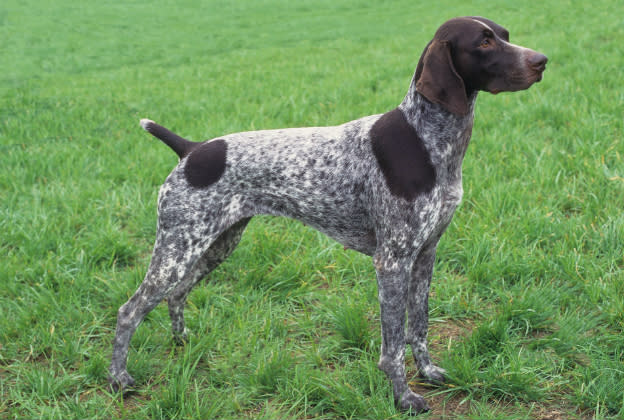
column 527, row 301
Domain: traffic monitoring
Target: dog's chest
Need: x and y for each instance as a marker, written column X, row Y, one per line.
column 450, row 198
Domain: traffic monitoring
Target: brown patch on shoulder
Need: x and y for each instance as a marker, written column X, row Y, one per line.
column 402, row 156
column 206, row 163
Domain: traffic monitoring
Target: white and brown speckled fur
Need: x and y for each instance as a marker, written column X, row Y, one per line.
column 336, row 180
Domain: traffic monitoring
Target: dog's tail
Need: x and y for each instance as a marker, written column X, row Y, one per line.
column 179, row 145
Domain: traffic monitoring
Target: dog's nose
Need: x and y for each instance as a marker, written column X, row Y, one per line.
column 538, row 61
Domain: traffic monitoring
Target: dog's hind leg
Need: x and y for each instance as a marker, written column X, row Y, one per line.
column 162, row 276
column 173, row 262
column 223, row 246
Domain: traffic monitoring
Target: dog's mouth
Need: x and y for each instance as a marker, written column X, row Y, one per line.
column 537, row 76
column 540, row 75
column 517, row 81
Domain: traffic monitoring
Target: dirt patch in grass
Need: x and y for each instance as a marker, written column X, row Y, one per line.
column 457, row 405
column 560, row 410
column 443, row 406
column 442, row 334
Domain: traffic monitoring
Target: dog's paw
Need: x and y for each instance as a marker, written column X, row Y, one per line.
column 180, row 339
column 412, row 402
column 433, row 374
column 121, row 382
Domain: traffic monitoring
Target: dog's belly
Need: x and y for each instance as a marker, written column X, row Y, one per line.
column 342, row 218
column 352, row 230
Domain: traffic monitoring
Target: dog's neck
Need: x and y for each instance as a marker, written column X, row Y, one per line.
column 446, row 135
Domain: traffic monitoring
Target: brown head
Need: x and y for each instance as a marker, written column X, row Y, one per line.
column 469, row 54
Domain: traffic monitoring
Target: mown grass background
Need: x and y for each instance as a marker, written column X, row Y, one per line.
column 527, row 304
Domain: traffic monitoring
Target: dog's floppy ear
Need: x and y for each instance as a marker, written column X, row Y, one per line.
column 438, row 81
column 419, row 67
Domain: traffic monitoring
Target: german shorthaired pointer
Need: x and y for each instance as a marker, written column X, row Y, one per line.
column 385, row 185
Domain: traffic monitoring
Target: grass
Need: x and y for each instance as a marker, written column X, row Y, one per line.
column 527, row 303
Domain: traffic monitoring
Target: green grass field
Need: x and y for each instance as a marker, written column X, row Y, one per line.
column 527, row 303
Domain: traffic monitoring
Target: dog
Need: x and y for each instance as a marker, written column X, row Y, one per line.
column 386, row 185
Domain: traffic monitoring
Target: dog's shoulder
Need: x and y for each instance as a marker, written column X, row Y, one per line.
column 402, row 156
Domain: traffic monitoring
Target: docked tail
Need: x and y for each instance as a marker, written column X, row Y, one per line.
column 179, row 145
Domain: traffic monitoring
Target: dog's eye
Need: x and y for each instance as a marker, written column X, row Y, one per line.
column 485, row 43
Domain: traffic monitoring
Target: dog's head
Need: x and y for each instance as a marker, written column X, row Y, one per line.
column 469, row 54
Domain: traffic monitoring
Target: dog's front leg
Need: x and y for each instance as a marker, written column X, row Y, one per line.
column 418, row 314
column 392, row 282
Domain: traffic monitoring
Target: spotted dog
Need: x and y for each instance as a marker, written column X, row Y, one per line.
column 385, row 185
